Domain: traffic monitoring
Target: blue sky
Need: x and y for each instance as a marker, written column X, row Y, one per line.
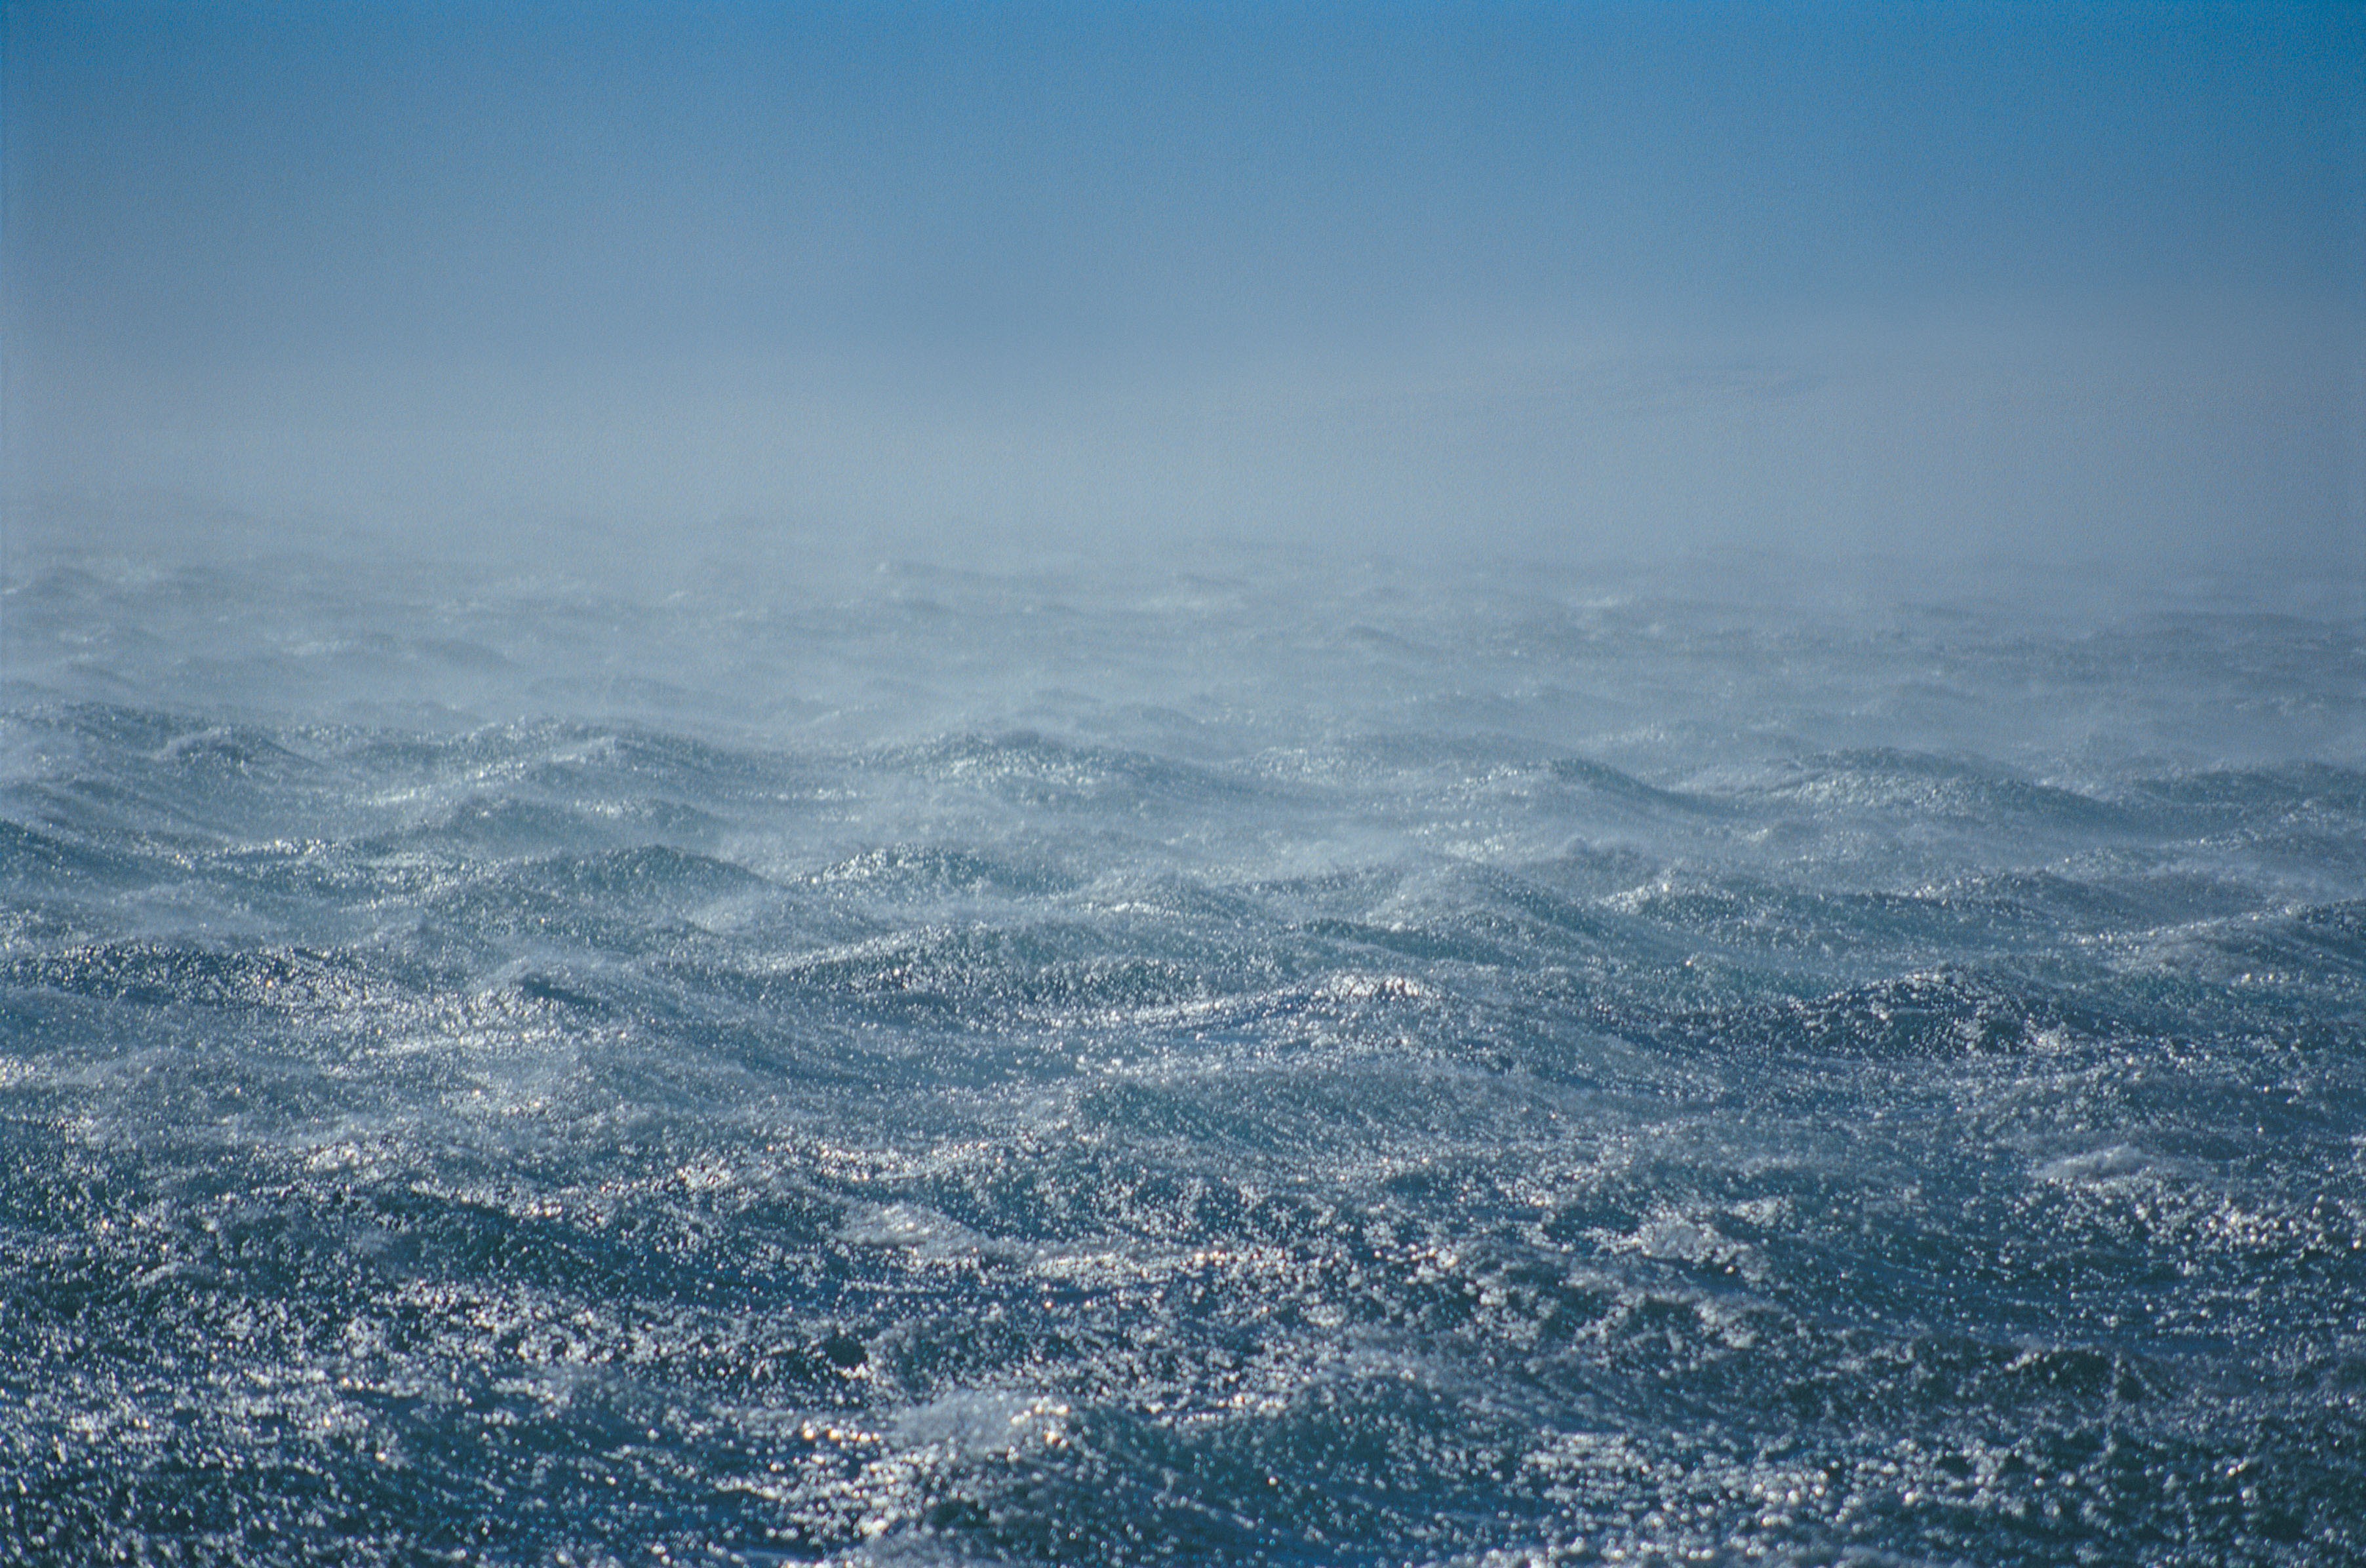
column 1583, row 278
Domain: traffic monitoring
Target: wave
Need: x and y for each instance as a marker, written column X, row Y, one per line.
column 1023, row 1077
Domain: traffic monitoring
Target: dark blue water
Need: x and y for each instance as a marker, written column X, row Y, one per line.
column 1277, row 1061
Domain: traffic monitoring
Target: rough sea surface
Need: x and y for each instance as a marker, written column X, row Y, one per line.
column 1262, row 1060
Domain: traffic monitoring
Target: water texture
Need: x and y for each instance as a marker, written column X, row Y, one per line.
column 1280, row 1061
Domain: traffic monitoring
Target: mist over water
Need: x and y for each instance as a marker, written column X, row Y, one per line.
column 1467, row 786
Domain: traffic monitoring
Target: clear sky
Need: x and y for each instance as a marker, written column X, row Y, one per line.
column 2036, row 279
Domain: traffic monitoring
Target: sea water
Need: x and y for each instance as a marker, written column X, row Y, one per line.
column 1265, row 1058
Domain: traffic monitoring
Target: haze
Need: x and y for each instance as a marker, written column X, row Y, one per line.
column 2038, row 283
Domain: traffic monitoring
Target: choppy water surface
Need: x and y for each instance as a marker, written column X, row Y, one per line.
column 1278, row 1062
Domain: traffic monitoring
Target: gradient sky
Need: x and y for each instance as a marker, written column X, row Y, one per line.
column 2043, row 279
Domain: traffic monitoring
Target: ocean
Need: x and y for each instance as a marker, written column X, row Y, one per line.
column 1255, row 1056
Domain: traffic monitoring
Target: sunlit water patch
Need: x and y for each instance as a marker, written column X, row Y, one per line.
column 1302, row 1063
